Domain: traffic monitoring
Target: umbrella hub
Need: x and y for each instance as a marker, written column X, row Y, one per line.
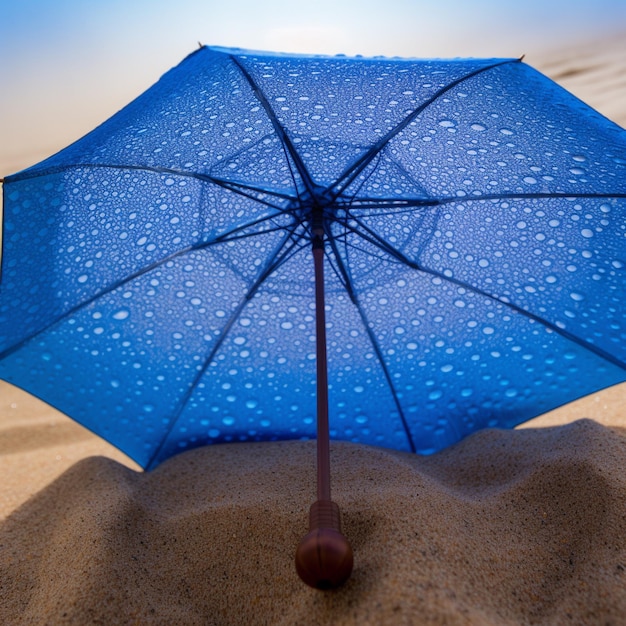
column 314, row 208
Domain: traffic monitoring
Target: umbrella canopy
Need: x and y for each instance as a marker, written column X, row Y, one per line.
column 157, row 282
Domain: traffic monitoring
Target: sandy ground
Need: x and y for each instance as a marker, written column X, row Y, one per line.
column 507, row 527
column 593, row 71
column 515, row 527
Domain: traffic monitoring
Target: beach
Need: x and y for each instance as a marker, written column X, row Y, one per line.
column 526, row 526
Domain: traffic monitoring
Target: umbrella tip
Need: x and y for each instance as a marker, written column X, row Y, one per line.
column 324, row 557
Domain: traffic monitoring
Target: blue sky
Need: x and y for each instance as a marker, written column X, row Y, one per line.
column 66, row 65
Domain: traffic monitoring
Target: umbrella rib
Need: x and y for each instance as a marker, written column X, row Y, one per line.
column 387, row 203
column 241, row 189
column 395, row 164
column 553, row 327
column 276, row 260
column 373, row 340
column 244, row 150
column 376, row 240
column 365, row 179
column 340, row 273
column 236, row 237
column 230, row 186
column 267, row 218
column 348, row 175
column 350, row 245
column 141, row 272
column 400, row 211
column 373, row 238
column 280, row 131
column 372, row 204
column 108, row 289
column 443, row 201
column 532, row 196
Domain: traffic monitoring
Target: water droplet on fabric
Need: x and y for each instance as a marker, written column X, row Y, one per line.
column 122, row 314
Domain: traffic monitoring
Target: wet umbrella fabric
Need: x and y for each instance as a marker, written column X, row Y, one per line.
column 157, row 282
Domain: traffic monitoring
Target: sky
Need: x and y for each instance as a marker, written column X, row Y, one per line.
column 67, row 65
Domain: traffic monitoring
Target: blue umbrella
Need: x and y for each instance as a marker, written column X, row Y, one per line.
column 467, row 221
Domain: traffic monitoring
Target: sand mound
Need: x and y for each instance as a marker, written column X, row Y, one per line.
column 508, row 527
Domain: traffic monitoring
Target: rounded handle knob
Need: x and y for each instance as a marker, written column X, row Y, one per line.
column 324, row 557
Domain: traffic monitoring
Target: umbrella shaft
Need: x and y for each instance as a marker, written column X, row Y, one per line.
column 323, row 435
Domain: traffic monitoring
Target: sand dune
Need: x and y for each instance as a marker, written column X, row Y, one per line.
column 518, row 527
column 593, row 71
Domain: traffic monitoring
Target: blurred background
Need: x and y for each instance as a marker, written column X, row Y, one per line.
column 67, row 65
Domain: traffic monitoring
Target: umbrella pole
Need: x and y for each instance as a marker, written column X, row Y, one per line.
column 324, row 556
column 323, row 434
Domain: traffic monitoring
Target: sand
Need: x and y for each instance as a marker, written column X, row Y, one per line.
column 508, row 527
